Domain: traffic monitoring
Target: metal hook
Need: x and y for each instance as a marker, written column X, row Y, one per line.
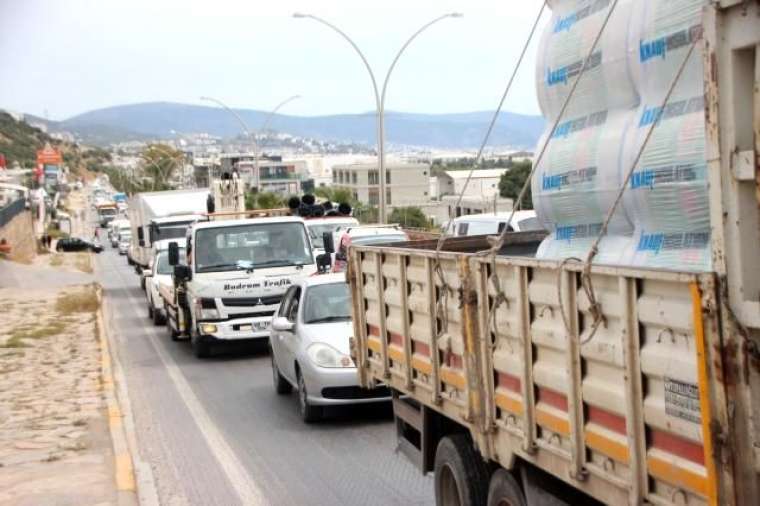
column 666, row 330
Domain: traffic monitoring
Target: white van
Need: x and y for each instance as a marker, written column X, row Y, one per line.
column 491, row 223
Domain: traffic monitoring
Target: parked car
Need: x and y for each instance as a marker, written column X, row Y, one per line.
column 123, row 246
column 77, row 244
column 490, row 223
column 309, row 344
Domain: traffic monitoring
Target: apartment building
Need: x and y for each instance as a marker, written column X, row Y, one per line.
column 484, row 183
column 406, row 184
column 276, row 175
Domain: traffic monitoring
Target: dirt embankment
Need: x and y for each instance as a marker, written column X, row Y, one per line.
column 19, row 233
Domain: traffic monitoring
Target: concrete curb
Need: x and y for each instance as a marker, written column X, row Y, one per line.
column 134, row 477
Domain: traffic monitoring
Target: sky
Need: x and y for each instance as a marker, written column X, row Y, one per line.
column 59, row 58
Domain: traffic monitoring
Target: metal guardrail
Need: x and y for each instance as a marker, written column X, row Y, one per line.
column 10, row 211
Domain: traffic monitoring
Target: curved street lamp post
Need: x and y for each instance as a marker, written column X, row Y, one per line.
column 379, row 96
column 254, row 142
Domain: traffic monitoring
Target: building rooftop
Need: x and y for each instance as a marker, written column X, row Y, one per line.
column 478, row 173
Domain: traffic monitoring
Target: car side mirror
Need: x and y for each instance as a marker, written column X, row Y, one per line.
column 183, row 273
column 328, row 241
column 324, row 262
column 173, row 253
column 281, row 324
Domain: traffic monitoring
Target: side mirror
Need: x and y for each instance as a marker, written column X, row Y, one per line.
column 281, row 324
column 328, row 241
column 141, row 243
column 183, row 273
column 324, row 262
column 173, row 253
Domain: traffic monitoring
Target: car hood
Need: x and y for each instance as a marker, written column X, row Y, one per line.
column 336, row 334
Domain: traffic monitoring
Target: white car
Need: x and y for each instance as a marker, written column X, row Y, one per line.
column 309, row 342
column 159, row 278
column 123, row 246
column 491, row 223
column 364, row 234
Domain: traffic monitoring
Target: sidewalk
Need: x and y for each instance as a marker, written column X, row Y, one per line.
column 55, row 440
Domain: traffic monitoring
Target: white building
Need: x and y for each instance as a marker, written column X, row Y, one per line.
column 484, row 183
column 406, row 184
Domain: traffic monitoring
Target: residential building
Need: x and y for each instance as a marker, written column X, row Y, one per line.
column 275, row 175
column 483, row 183
column 405, row 184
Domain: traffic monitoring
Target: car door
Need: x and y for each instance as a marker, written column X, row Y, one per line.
column 275, row 337
column 289, row 340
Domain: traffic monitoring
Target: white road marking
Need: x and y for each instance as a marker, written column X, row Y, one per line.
column 248, row 491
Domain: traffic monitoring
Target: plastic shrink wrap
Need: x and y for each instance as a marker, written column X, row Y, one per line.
column 578, row 175
column 663, row 221
column 667, row 197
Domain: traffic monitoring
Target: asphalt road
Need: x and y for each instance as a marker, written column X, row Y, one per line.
column 215, row 432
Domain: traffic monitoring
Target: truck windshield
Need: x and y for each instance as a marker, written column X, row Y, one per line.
column 176, row 230
column 327, row 303
column 252, row 246
column 110, row 211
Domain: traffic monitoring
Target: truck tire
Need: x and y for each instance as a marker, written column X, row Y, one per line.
column 150, row 311
column 461, row 474
column 504, row 490
column 309, row 412
column 281, row 385
column 200, row 349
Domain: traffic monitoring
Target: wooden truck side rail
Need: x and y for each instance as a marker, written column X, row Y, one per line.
column 629, row 415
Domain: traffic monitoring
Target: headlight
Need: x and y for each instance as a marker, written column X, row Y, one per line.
column 208, row 328
column 324, row 355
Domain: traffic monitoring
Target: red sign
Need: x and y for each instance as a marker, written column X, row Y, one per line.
column 2, row 162
column 49, row 156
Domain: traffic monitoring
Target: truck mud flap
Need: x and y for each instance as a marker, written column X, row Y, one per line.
column 413, row 440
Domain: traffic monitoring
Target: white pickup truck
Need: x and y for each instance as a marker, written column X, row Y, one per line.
column 237, row 271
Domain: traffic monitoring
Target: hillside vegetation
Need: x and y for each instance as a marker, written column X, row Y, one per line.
column 20, row 141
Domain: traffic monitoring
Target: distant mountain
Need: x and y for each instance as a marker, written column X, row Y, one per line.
column 164, row 119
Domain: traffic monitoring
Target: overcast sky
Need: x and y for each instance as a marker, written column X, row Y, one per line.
column 65, row 57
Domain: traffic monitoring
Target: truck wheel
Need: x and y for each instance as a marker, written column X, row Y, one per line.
column 150, row 311
column 281, row 385
column 309, row 412
column 461, row 475
column 504, row 490
column 201, row 349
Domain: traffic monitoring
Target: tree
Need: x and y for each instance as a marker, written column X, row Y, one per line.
column 512, row 181
column 412, row 217
column 335, row 194
column 159, row 163
column 268, row 200
column 365, row 213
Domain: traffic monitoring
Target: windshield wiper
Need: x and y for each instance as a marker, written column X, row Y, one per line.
column 213, row 267
column 326, row 319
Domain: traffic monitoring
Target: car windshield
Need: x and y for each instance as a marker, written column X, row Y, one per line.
column 254, row 246
column 316, row 231
column 378, row 239
column 327, row 303
column 162, row 265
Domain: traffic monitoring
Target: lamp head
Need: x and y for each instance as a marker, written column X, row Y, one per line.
column 300, row 15
column 456, row 15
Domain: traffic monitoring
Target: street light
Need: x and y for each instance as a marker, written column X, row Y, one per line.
column 247, row 131
column 379, row 96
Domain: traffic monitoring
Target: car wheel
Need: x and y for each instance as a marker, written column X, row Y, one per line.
column 173, row 334
column 309, row 412
column 281, row 385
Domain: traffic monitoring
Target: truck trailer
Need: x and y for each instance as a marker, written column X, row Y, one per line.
column 514, row 384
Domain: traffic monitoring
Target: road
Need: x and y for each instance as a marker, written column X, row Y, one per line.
column 215, row 432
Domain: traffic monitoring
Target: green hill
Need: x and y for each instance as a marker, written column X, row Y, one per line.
column 19, row 141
